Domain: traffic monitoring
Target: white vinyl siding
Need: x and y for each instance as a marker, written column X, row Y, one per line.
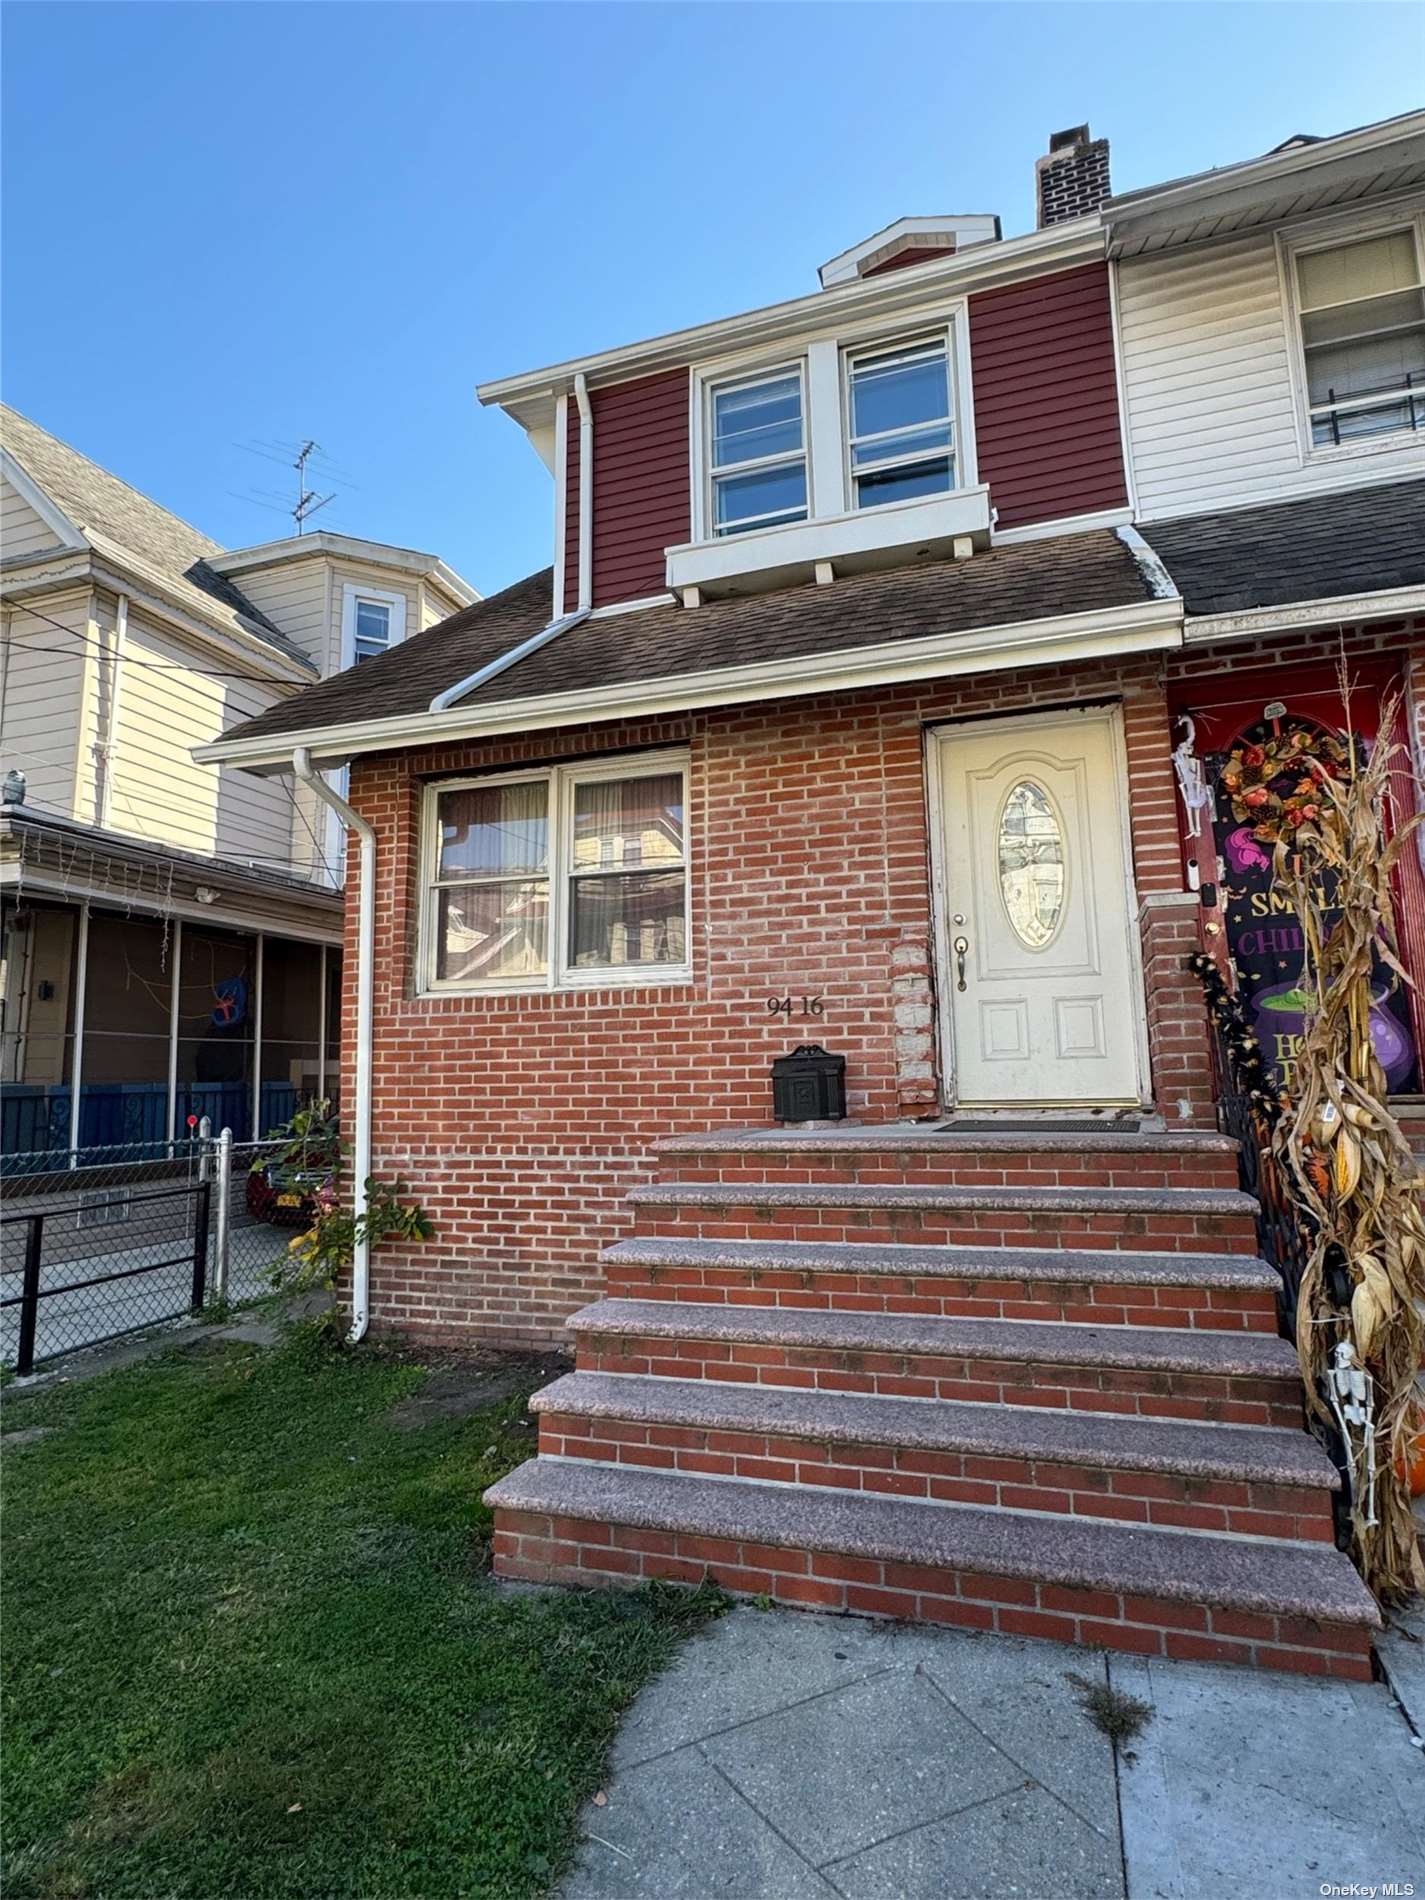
column 294, row 597
column 22, row 532
column 41, row 696
column 169, row 702
column 1208, row 373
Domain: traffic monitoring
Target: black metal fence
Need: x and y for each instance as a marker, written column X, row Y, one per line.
column 159, row 1271
column 99, row 1245
column 1283, row 1234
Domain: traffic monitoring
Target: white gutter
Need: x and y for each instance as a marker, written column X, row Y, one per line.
column 365, row 997
column 976, row 268
column 492, row 669
column 586, row 494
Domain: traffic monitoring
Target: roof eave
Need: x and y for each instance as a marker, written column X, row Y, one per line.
column 64, row 568
column 1157, row 209
column 1137, row 626
column 345, row 547
column 978, row 267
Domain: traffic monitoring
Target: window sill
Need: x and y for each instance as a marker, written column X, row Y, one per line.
column 1396, row 444
column 663, row 978
column 853, row 543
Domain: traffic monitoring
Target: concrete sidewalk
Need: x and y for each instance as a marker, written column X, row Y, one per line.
column 787, row 1756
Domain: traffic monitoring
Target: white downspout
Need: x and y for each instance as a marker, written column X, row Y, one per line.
column 365, row 999
column 586, row 493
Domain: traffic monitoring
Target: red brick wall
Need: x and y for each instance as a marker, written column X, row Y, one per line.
column 522, row 1121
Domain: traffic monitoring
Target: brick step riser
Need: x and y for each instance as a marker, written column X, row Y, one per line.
column 985, row 1227
column 963, row 1171
column 544, row 1549
column 1213, row 1309
column 1166, row 1499
column 1238, row 1399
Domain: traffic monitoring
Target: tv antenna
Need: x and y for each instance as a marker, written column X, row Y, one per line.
column 308, row 501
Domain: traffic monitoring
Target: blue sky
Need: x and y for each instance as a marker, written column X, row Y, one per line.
column 228, row 224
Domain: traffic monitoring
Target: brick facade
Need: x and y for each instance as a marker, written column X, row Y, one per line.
column 522, row 1121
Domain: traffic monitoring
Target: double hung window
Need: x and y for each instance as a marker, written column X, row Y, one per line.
column 758, row 463
column 902, row 433
column 574, row 875
column 1362, row 312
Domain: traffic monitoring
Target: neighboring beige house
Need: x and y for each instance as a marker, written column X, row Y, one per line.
column 171, row 929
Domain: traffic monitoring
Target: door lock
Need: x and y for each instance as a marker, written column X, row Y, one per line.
column 960, row 947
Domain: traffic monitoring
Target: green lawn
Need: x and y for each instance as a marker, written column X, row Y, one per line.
column 250, row 1648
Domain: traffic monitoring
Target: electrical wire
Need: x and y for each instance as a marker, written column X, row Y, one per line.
column 182, row 672
column 157, row 666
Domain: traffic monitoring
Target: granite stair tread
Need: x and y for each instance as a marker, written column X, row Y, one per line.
column 1238, row 1573
column 1154, row 1348
column 1245, row 1453
column 917, row 1197
column 849, row 1140
column 1067, row 1264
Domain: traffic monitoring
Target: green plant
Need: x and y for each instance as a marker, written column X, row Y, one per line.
column 320, row 1254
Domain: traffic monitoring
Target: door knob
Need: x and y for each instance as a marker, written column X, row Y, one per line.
column 961, row 947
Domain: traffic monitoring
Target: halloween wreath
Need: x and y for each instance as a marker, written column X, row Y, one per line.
column 1275, row 785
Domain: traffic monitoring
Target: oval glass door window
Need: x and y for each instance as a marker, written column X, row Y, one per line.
column 1032, row 873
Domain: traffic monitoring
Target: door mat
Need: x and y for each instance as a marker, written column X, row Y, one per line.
column 1039, row 1125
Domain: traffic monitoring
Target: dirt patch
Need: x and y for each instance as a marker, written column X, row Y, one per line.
column 462, row 1383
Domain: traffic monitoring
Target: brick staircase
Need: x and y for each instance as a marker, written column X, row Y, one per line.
column 1030, row 1383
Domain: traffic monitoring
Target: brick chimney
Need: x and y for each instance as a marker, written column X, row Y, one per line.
column 1072, row 178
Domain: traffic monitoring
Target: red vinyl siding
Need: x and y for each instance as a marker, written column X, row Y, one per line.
column 1046, row 397
column 912, row 254
column 642, row 503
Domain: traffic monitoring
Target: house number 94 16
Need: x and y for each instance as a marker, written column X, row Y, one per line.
column 787, row 1006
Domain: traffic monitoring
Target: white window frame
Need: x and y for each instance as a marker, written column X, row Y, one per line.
column 352, row 595
column 712, row 387
column 939, row 338
column 819, row 354
column 1334, row 236
column 560, row 974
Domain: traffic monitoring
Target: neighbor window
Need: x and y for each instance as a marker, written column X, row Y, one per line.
column 758, row 461
column 572, row 875
column 373, row 628
column 902, row 435
column 1362, row 311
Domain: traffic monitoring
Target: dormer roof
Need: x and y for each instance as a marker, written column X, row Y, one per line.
column 910, row 241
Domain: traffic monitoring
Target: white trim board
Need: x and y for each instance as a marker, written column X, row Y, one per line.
column 1388, row 604
column 49, row 511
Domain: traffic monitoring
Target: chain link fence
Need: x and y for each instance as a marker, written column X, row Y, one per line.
column 93, row 1246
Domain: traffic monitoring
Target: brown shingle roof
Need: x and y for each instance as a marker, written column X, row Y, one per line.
column 118, row 519
column 1069, row 574
column 1356, row 542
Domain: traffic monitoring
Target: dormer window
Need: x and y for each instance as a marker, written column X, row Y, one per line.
column 902, row 433
column 1362, row 311
column 758, row 460
column 372, row 621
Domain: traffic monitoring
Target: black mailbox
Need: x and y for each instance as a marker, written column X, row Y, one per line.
column 809, row 1085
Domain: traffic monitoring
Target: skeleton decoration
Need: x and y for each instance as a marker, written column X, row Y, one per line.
column 1349, row 1387
column 1192, row 780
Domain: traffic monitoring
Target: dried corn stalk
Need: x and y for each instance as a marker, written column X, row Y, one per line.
column 1365, row 1281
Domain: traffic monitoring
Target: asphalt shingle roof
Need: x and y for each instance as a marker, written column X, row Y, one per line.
column 1068, row 574
column 109, row 512
column 1355, row 542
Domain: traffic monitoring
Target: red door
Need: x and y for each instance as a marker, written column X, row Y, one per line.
column 1253, row 923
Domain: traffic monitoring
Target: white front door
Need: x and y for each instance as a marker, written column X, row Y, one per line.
column 1044, row 1000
